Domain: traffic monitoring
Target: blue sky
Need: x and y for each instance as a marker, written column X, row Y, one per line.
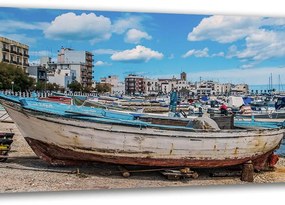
column 237, row 49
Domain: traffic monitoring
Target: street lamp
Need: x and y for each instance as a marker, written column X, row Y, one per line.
column 12, row 83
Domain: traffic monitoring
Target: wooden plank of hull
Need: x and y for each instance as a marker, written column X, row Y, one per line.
column 62, row 139
column 60, row 156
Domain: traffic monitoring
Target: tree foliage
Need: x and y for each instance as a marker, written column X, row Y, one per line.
column 10, row 73
column 46, row 86
column 103, row 88
column 75, row 86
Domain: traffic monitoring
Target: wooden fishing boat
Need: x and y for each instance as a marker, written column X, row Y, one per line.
column 60, row 99
column 279, row 114
column 65, row 134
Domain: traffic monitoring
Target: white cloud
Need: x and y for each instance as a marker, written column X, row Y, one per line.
column 232, row 51
column 70, row 26
column 224, row 29
column 102, row 63
column 220, row 54
column 264, row 37
column 104, row 51
column 34, row 62
column 263, row 45
column 20, row 38
column 135, row 36
column 40, row 53
column 123, row 24
column 137, row 54
column 197, row 53
column 12, row 25
column 248, row 65
column 240, row 75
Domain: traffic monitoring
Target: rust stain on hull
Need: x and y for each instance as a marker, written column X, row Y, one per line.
column 56, row 155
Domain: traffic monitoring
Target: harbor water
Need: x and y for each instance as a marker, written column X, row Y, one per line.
column 265, row 88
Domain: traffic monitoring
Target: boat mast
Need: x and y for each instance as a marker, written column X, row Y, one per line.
column 279, row 83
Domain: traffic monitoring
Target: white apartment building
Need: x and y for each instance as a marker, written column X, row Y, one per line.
column 116, row 86
column 167, row 85
column 62, row 75
column 240, row 89
column 80, row 61
column 118, row 89
column 205, row 88
column 152, row 86
column 113, row 80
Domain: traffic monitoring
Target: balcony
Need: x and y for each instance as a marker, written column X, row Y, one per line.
column 5, row 60
column 42, row 77
column 13, row 51
column 26, row 55
column 5, row 49
column 26, row 64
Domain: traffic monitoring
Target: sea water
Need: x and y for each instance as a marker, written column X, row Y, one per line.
column 265, row 88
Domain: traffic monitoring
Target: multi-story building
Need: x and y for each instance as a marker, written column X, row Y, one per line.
column 61, row 74
column 167, row 85
column 80, row 61
column 205, row 88
column 151, row 86
column 119, row 88
column 38, row 72
column 116, row 86
column 218, row 89
column 113, row 80
column 134, row 84
column 239, row 89
column 15, row 53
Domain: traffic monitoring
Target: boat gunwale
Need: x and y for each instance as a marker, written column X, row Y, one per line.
column 153, row 134
column 116, row 122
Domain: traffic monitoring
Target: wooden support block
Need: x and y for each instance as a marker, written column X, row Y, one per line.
column 125, row 173
column 247, row 172
column 179, row 174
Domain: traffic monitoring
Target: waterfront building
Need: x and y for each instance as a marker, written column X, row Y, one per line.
column 116, row 86
column 151, row 86
column 79, row 61
column 166, row 85
column 134, row 84
column 113, row 80
column 119, row 89
column 14, row 53
column 38, row 72
column 227, row 87
column 205, row 88
column 61, row 74
column 240, row 89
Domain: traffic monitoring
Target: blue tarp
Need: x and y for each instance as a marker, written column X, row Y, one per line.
column 247, row 100
column 205, row 98
column 280, row 103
